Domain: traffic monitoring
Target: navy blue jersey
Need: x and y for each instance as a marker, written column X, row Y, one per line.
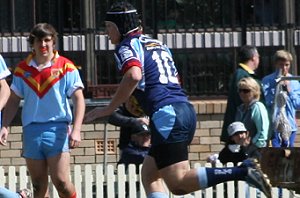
column 159, row 85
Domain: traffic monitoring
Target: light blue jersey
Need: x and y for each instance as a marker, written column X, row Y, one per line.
column 4, row 72
column 46, row 92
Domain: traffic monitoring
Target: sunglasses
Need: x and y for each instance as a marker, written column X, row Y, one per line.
column 244, row 90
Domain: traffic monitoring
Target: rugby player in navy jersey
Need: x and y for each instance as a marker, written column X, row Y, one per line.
column 149, row 73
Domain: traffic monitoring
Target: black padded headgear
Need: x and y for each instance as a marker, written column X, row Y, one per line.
column 125, row 16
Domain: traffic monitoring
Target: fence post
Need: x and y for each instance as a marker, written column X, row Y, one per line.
column 77, row 179
column 88, row 181
column 121, row 181
column 289, row 21
column 99, row 181
column 12, row 180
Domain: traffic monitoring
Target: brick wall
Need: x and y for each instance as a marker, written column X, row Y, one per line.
column 91, row 150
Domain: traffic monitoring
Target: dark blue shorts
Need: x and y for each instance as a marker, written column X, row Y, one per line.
column 173, row 123
column 172, row 130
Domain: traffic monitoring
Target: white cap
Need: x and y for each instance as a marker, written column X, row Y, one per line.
column 236, row 127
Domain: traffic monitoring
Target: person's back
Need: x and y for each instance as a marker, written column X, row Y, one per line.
column 160, row 85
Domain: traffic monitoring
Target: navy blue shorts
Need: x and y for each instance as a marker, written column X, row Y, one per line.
column 172, row 130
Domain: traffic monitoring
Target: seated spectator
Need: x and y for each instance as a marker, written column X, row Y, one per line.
column 134, row 141
column 135, row 137
column 138, row 146
column 239, row 146
column 252, row 112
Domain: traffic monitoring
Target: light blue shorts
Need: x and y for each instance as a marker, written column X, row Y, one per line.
column 44, row 140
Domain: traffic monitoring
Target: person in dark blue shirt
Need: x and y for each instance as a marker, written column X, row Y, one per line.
column 150, row 74
column 135, row 136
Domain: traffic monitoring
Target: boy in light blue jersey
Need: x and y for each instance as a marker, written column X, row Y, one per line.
column 45, row 81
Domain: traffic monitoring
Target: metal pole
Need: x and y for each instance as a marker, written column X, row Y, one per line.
column 34, row 12
column 243, row 23
column 289, row 21
column 60, row 28
column 89, row 32
column 105, row 149
column 154, row 21
column 283, row 78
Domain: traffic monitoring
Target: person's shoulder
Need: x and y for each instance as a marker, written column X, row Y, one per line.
column 21, row 65
column 258, row 104
column 66, row 63
column 241, row 72
column 129, row 40
column 258, row 107
column 125, row 47
column 124, row 111
column 65, row 59
column 268, row 77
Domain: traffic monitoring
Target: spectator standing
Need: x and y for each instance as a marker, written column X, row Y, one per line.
column 252, row 112
column 282, row 100
column 149, row 70
column 45, row 81
column 249, row 62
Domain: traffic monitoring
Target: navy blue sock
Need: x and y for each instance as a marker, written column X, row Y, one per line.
column 212, row 176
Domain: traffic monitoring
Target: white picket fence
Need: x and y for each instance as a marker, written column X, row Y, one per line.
column 97, row 182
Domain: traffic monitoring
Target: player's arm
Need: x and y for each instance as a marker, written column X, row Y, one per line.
column 128, row 84
column 79, row 109
column 4, row 93
column 9, row 113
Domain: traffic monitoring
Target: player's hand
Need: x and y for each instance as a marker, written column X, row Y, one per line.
column 247, row 140
column 3, row 136
column 74, row 139
column 287, row 86
column 143, row 120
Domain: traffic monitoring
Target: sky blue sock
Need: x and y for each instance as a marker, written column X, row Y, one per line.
column 7, row 193
column 208, row 177
column 157, row 195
